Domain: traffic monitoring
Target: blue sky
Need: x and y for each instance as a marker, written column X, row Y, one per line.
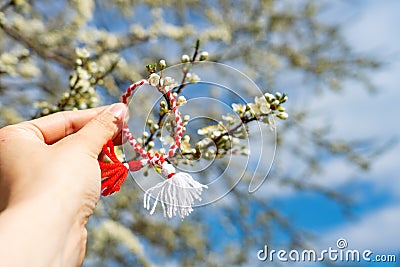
column 373, row 30
column 372, row 27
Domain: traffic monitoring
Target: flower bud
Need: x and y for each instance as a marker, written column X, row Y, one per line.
column 83, row 105
column 282, row 115
column 203, row 55
column 201, row 132
column 245, row 152
column 185, row 58
column 269, row 97
column 217, row 133
column 162, row 64
column 281, row 109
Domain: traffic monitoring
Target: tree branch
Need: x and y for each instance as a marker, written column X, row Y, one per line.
column 44, row 53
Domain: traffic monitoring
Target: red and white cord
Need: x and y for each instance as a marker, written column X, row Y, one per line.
column 178, row 191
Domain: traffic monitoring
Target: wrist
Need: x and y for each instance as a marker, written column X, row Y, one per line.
column 43, row 229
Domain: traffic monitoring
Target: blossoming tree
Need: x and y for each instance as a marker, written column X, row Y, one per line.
column 66, row 55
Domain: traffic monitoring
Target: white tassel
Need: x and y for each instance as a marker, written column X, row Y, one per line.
column 176, row 194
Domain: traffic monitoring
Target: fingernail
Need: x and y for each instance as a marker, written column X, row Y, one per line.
column 118, row 110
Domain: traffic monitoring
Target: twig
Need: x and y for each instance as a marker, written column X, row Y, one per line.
column 245, row 120
column 186, row 70
column 111, row 69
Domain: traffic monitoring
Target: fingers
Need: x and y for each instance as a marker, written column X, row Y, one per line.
column 99, row 130
column 52, row 128
column 92, row 127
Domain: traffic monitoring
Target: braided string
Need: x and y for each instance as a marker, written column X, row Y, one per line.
column 130, row 89
column 156, row 159
column 116, row 172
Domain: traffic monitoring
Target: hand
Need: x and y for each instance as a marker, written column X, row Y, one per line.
column 50, row 184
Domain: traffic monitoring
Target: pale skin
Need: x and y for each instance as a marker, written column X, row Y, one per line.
column 50, row 184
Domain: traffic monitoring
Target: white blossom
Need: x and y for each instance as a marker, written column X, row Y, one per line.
column 227, row 118
column 82, row 52
column 269, row 97
column 192, row 78
column 201, row 132
column 8, row 59
column 168, row 81
column 239, row 108
column 138, row 31
column 85, row 8
column 154, row 79
column 181, row 100
column 254, row 109
column 261, row 106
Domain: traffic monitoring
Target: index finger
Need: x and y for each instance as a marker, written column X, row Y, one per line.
column 56, row 126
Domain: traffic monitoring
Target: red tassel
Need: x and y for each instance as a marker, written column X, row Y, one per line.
column 115, row 172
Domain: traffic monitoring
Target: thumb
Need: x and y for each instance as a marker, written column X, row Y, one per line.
column 101, row 129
